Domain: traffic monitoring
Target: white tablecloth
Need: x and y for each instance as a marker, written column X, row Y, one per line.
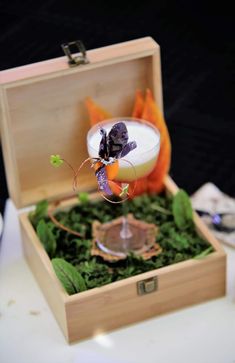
column 29, row 333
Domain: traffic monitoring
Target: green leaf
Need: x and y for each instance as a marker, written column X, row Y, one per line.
column 56, row 160
column 160, row 209
column 46, row 236
column 83, row 198
column 70, row 278
column 182, row 210
column 204, row 253
column 39, row 213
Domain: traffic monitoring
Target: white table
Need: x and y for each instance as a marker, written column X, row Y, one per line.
column 29, row 333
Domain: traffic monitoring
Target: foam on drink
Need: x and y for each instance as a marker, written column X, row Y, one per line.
column 143, row 158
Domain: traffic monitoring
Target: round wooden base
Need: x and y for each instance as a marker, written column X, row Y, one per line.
column 108, row 243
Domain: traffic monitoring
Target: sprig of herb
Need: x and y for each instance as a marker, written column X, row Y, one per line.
column 56, row 160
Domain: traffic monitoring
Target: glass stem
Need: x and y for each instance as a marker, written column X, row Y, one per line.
column 125, row 232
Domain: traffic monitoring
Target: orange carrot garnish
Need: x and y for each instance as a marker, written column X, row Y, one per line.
column 138, row 105
column 96, row 113
column 153, row 114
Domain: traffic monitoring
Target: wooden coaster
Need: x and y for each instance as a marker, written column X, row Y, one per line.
column 108, row 244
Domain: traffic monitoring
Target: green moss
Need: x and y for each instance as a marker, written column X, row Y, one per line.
column 179, row 240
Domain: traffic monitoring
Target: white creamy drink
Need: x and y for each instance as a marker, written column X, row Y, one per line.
column 140, row 161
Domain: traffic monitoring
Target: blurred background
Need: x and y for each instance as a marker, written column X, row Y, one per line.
column 197, row 70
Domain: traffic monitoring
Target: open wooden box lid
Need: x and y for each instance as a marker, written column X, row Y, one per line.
column 43, row 113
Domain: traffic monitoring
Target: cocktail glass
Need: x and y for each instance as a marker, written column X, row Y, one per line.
column 137, row 164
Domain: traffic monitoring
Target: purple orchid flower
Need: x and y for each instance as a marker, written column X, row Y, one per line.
column 113, row 146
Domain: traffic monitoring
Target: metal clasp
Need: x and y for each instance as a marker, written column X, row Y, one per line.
column 147, row 286
column 81, row 58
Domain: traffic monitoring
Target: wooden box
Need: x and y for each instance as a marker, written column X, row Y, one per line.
column 43, row 113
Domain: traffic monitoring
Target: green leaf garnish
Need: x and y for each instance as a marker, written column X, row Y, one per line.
column 204, row 253
column 124, row 191
column 182, row 210
column 83, row 197
column 39, row 213
column 56, row 160
column 48, row 239
column 159, row 209
column 70, row 278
